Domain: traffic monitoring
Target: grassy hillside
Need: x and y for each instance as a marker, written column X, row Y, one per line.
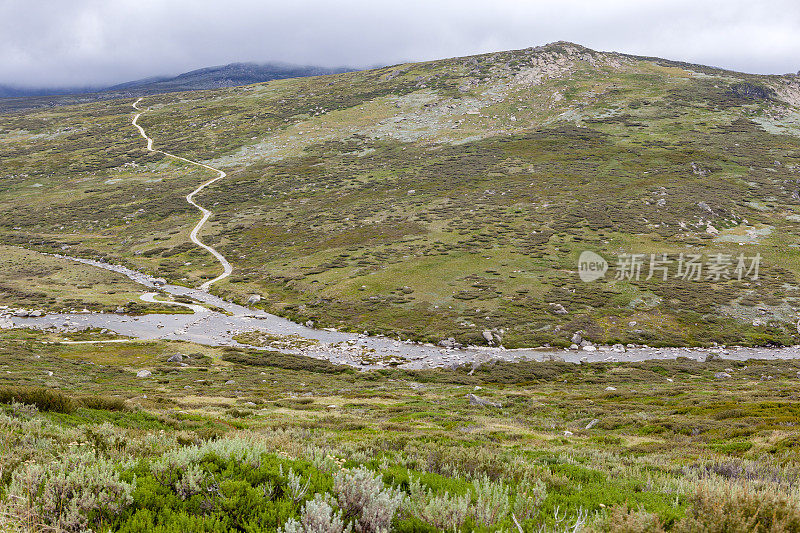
column 229, row 440
column 444, row 198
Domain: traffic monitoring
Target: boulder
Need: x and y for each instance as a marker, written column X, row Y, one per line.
column 6, row 323
column 577, row 338
column 592, row 424
column 449, row 342
column 722, row 375
column 558, row 309
column 143, row 374
column 177, row 358
column 482, row 402
column 253, row 299
column 488, row 336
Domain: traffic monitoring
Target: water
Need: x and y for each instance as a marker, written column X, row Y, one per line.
column 218, row 329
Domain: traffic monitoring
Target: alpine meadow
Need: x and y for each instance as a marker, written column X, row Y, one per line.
column 541, row 290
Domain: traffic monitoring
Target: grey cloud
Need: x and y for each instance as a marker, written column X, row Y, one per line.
column 91, row 42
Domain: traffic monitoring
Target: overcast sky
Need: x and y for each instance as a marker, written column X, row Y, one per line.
column 98, row 42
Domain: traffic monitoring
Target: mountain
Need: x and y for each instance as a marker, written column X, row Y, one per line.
column 10, row 91
column 449, row 199
column 224, row 76
column 18, row 98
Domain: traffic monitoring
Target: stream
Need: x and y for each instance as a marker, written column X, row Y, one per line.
column 214, row 328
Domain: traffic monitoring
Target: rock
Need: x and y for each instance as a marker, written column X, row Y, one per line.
column 143, row 374
column 36, row 313
column 119, row 310
column 449, row 342
column 558, row 309
column 6, row 323
column 488, row 336
column 722, row 375
column 592, row 424
column 589, row 348
column 159, row 282
column 577, row 337
column 482, row 402
column 253, row 299
column 618, row 348
column 611, row 388
column 574, row 347
column 309, row 323
column 567, row 433
column 230, row 382
column 177, row 358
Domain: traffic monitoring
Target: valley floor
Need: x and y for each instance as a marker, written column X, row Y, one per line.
column 212, row 321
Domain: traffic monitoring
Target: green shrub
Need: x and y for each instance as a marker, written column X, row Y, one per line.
column 740, row 510
column 43, row 399
column 78, row 492
column 286, row 361
column 363, row 498
column 230, row 484
column 440, row 510
column 622, row 519
column 318, row 516
column 104, row 403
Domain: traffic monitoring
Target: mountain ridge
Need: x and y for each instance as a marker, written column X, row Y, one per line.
column 206, row 78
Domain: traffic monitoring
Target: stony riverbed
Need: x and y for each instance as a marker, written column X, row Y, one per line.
column 205, row 326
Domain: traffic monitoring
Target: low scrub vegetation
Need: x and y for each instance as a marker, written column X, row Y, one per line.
column 236, row 442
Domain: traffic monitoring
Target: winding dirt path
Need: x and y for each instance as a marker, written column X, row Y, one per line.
column 226, row 266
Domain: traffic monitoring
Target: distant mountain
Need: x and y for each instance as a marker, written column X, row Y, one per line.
column 10, row 91
column 19, row 98
column 225, row 76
